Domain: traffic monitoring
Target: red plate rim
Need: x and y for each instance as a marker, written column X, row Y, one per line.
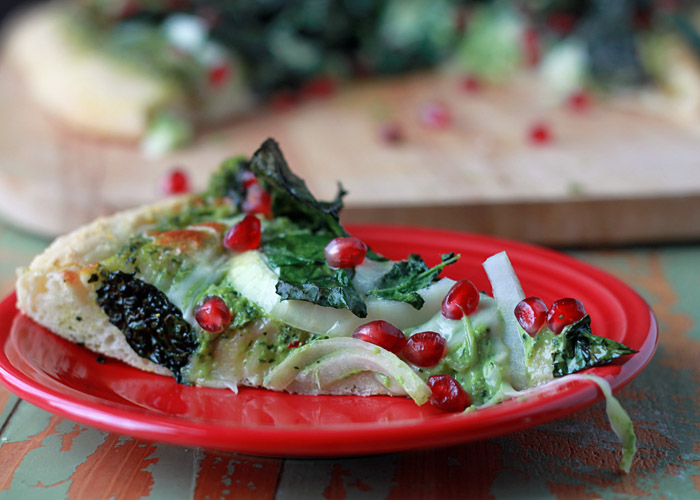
column 542, row 405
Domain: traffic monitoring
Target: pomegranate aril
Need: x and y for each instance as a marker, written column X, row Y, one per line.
column 257, row 201
column 470, row 84
column 284, row 100
column 531, row 313
column 564, row 312
column 463, row 298
column 532, row 49
column 540, row 134
column 435, row 115
column 175, row 182
column 323, row 86
column 247, row 179
column 213, row 315
column 345, row 252
column 561, row 23
column 383, row 334
column 448, row 394
column 391, row 133
column 424, row 349
column 579, row 101
column 218, row 74
column 244, row 235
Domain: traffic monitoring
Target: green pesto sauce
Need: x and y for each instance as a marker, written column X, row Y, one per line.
column 538, row 356
column 476, row 361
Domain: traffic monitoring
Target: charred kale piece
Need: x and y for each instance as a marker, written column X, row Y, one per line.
column 582, row 349
column 152, row 325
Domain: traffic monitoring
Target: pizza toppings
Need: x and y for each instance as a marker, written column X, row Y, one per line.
column 257, row 201
column 425, row 349
column 448, row 395
column 540, row 134
column 343, row 252
column 245, row 235
column 435, row 115
column 531, row 313
column 564, row 312
column 383, row 334
column 175, row 182
column 213, row 315
column 461, row 300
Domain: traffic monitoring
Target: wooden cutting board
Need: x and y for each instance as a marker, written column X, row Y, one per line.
column 611, row 175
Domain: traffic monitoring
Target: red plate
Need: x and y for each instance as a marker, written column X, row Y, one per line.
column 73, row 382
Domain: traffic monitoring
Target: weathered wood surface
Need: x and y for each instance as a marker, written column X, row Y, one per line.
column 609, row 175
column 46, row 457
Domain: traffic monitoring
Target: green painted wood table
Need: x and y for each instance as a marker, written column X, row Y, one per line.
column 43, row 456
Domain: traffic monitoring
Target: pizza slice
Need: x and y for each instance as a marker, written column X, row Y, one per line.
column 256, row 283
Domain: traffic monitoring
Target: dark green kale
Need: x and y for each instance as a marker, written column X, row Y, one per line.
column 405, row 278
column 610, row 37
column 154, row 328
column 304, row 274
column 228, row 181
column 581, row 349
column 291, row 197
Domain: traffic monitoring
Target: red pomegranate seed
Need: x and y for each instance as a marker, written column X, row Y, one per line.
column 381, row 333
column 391, row 133
column 323, row 86
column 470, row 84
column 463, row 298
column 531, row 313
column 284, row 100
column 579, row 101
column 435, row 115
column 218, row 74
column 213, row 315
column 345, row 252
column 294, row 344
column 540, row 134
column 448, row 394
column 561, row 23
column 424, row 349
column 564, row 312
column 532, row 50
column 244, row 235
column 247, row 179
column 175, row 182
column 257, row 201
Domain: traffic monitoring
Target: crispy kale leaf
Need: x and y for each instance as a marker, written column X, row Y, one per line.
column 405, row 278
column 291, row 197
column 582, row 349
column 152, row 325
column 304, row 274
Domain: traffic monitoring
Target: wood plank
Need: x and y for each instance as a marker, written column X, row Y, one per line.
column 610, row 164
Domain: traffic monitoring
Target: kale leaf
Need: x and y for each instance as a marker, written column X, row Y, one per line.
column 152, row 325
column 304, row 274
column 405, row 278
column 291, row 197
column 228, row 181
column 582, row 349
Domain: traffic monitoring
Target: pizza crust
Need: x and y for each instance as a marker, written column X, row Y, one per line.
column 54, row 291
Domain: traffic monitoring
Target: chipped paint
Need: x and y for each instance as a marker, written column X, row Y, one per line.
column 173, row 471
column 229, row 475
column 33, row 435
column 366, row 478
column 126, row 459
